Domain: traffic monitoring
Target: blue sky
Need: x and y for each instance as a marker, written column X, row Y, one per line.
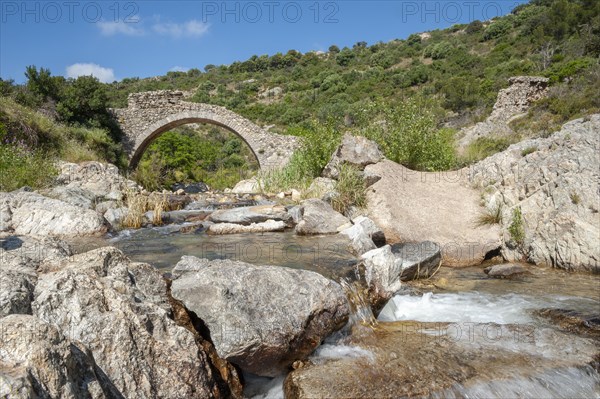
column 117, row 39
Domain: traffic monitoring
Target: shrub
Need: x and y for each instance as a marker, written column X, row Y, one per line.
column 497, row 28
column 318, row 143
column 483, row 147
column 24, row 168
column 439, row 51
column 350, row 190
column 516, row 228
column 528, row 150
column 408, row 135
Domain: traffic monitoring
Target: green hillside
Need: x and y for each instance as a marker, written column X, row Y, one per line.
column 411, row 95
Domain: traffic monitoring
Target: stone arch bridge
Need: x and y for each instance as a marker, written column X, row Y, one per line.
column 149, row 114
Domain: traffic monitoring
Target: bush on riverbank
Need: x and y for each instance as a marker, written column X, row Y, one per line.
column 31, row 142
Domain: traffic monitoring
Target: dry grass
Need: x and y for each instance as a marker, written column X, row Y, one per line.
column 138, row 204
column 490, row 216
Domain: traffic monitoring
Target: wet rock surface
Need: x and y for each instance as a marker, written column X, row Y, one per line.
column 253, row 214
column 507, row 270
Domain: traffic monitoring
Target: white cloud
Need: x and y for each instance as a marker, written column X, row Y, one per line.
column 191, row 28
column 105, row 75
column 111, row 28
column 179, row 69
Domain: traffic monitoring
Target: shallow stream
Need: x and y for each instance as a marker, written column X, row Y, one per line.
column 494, row 338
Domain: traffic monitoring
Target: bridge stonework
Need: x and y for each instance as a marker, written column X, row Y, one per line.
column 149, row 114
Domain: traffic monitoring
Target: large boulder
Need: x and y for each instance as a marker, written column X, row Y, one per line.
column 20, row 258
column 554, row 182
column 121, row 312
column 101, row 179
column 252, row 214
column 34, row 214
column 261, row 318
column 37, row 361
column 320, row 218
column 353, row 150
column 412, row 206
column 385, row 268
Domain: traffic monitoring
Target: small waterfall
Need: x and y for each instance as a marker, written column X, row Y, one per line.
column 360, row 307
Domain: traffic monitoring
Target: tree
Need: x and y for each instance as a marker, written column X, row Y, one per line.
column 42, row 84
column 334, row 49
column 84, row 102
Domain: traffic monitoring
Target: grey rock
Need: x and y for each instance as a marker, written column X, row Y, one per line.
column 360, row 241
column 232, row 228
column 182, row 216
column 370, row 178
column 37, row 361
column 375, row 233
column 114, row 196
column 556, row 187
column 247, row 186
column 506, row 270
column 102, row 179
column 120, row 311
column 320, row 218
column 115, row 216
column 296, row 213
column 320, row 186
column 72, row 194
column 382, row 274
column 386, row 267
column 104, row 206
column 252, row 214
column 34, row 214
column 412, row 206
column 261, row 318
column 353, row 150
column 20, row 259
column 418, row 260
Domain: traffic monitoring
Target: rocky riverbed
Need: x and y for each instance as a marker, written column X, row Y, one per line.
column 247, row 293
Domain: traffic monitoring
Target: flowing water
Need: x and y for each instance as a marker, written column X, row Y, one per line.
column 467, row 334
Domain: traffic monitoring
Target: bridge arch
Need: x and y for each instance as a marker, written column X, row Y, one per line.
column 149, row 114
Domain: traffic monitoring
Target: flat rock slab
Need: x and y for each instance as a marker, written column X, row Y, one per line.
column 413, row 206
column 232, row 228
column 506, row 270
column 251, row 214
column 261, row 318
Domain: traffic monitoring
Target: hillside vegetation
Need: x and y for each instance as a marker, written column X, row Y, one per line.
column 411, row 95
